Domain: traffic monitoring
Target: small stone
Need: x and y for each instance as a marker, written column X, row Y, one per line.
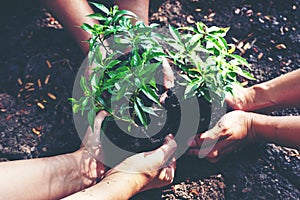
column 249, row 13
column 237, row 11
column 190, row 19
column 262, row 176
column 244, row 190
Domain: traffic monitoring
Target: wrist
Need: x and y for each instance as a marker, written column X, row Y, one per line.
column 86, row 168
column 260, row 97
column 129, row 183
column 261, row 127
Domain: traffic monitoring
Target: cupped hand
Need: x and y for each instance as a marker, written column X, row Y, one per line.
column 91, row 152
column 152, row 169
column 232, row 132
column 243, row 98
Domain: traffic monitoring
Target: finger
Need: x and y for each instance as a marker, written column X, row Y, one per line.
column 202, row 140
column 236, row 101
column 163, row 97
column 165, row 176
column 222, row 149
column 91, row 138
column 99, row 119
column 168, row 149
column 224, row 152
column 168, row 74
column 211, row 151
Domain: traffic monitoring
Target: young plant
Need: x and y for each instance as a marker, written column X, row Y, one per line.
column 207, row 64
column 120, row 80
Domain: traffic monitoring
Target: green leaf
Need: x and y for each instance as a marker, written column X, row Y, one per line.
column 101, row 101
column 94, row 82
column 244, row 73
column 136, row 59
column 88, row 28
column 72, row 100
column 97, row 16
column 83, row 105
column 98, row 55
column 146, row 109
column 121, row 92
column 239, row 59
column 83, row 85
column 148, row 70
column 101, row 7
column 129, row 128
column 175, row 34
column 75, row 108
column 155, row 55
column 150, row 93
column 201, row 27
column 129, row 13
column 211, row 41
column 124, row 14
column 112, row 64
column 217, row 31
column 91, row 117
column 193, row 42
column 140, row 114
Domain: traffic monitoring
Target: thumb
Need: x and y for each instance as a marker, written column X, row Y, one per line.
column 168, row 148
column 91, row 138
column 168, row 74
column 98, row 121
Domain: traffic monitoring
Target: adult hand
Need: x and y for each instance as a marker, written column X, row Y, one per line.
column 255, row 98
column 154, row 169
column 233, row 131
column 137, row 173
column 91, row 152
column 243, row 99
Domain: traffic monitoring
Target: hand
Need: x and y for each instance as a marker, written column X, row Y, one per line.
column 91, row 153
column 256, row 97
column 243, row 99
column 152, row 169
column 233, row 131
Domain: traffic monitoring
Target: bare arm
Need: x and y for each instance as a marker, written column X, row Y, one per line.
column 237, row 128
column 58, row 176
column 137, row 173
column 283, row 130
column 280, row 92
column 73, row 13
column 44, row 178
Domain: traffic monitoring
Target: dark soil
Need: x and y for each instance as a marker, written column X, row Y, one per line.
column 39, row 62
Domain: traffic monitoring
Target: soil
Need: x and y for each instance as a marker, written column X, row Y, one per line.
column 39, row 62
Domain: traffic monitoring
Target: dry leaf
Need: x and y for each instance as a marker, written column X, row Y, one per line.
column 280, row 46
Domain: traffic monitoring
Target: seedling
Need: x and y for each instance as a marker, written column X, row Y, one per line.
column 126, row 54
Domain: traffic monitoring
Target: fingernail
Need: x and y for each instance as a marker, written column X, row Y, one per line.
column 171, row 136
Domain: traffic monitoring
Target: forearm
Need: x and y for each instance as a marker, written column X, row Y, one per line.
column 139, row 7
column 284, row 130
column 72, row 14
column 113, row 187
column 43, row 178
column 280, row 92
